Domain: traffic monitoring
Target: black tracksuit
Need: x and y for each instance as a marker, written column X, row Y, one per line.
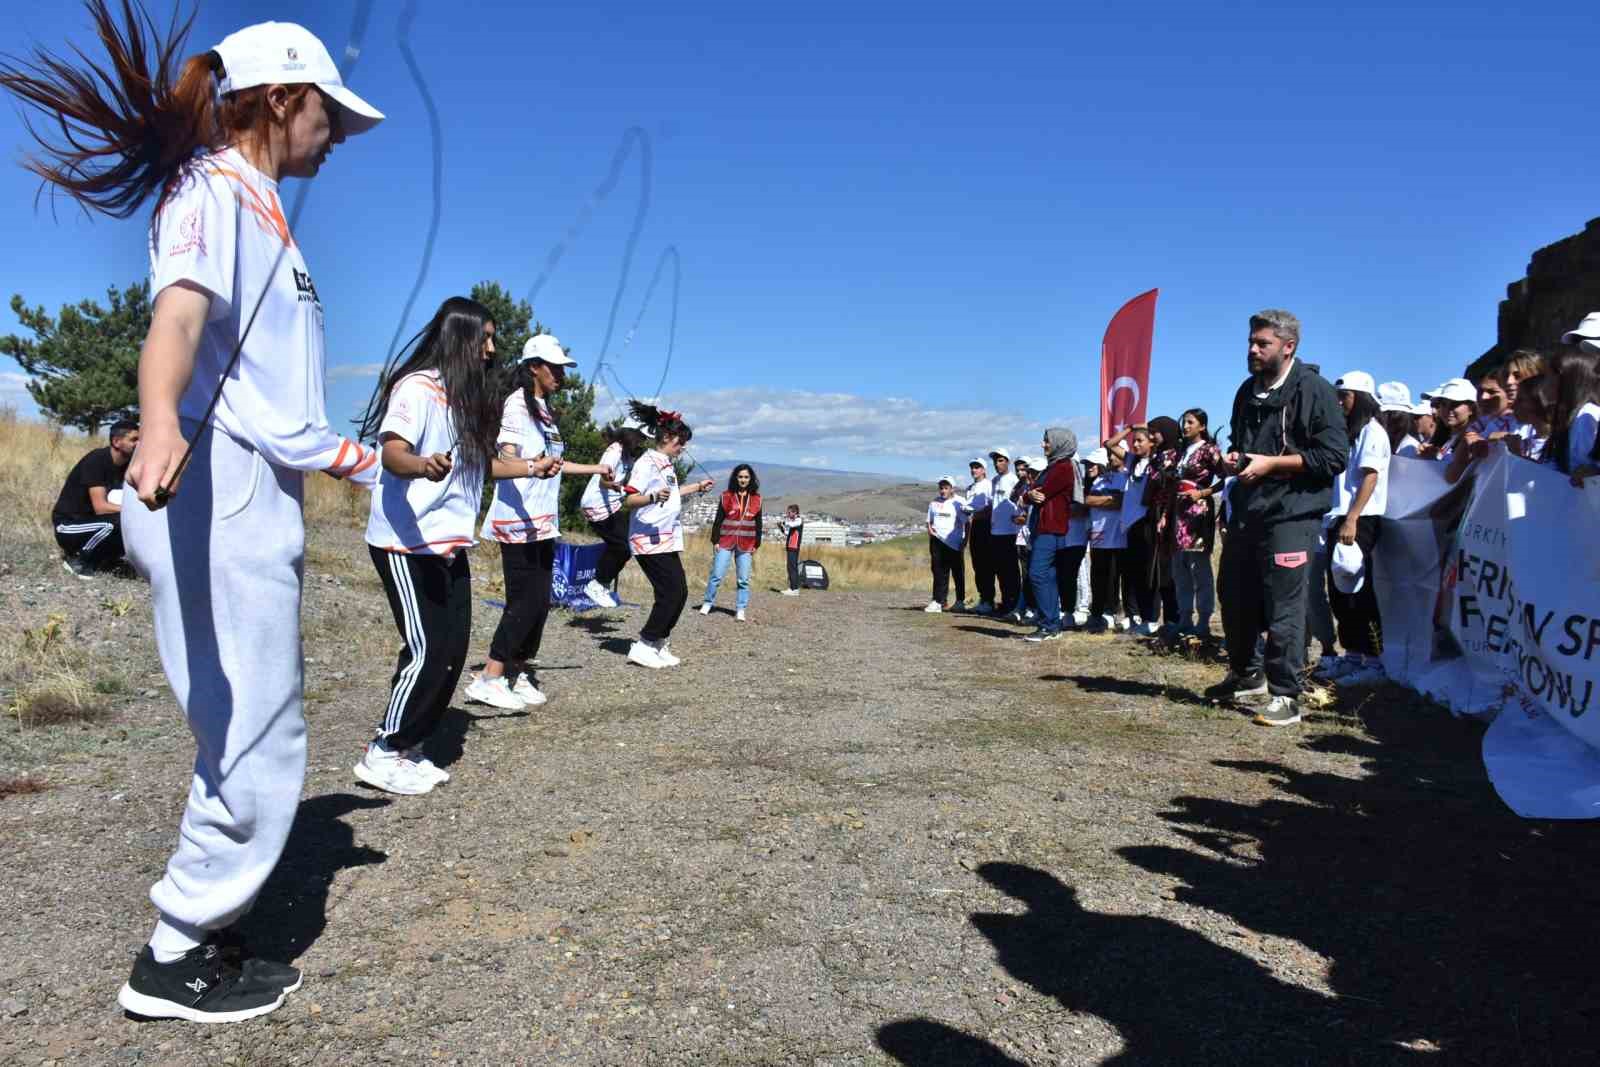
column 1273, row 524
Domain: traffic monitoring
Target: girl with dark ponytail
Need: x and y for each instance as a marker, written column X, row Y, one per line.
column 231, row 401
column 655, row 530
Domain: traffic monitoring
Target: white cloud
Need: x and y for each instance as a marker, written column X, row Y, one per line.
column 735, row 421
column 813, row 461
column 346, row 371
column 14, row 393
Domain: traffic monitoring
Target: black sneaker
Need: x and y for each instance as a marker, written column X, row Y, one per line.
column 1245, row 689
column 200, row 986
column 269, row 973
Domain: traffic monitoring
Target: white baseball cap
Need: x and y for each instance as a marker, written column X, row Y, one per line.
column 1037, row 463
column 1357, row 381
column 993, row 452
column 978, row 463
column 546, row 349
column 1349, row 568
column 1587, row 335
column 1394, row 396
column 1099, row 457
column 1456, row 390
column 947, row 479
column 1423, row 408
column 283, row 53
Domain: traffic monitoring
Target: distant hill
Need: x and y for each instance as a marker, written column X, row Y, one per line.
column 853, row 495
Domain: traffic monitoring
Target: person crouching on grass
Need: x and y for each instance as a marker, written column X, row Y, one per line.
column 655, row 530
column 525, row 518
column 947, row 532
column 435, row 419
column 793, row 529
column 735, row 536
column 87, row 519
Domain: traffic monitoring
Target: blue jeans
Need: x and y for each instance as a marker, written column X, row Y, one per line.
column 719, row 568
column 1042, row 577
column 1196, row 585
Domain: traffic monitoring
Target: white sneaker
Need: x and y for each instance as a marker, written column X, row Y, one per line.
column 1124, row 623
column 738, row 616
column 933, row 607
column 78, row 569
column 664, row 652
column 705, row 609
column 1150, row 629
column 1280, row 711
column 495, row 692
column 392, row 772
column 644, row 655
column 527, row 692
column 791, row 592
column 426, row 766
column 1080, row 619
column 600, row 595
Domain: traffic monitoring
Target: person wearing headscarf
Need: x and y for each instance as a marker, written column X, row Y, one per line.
column 1052, row 495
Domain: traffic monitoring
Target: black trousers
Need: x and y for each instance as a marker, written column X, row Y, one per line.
column 671, row 589
column 96, row 541
column 1068, row 563
column 946, row 562
column 1356, row 614
column 614, row 532
column 1263, row 578
column 1003, row 557
column 1105, row 565
column 1025, row 596
column 528, row 568
column 978, row 538
column 792, row 555
column 1138, row 589
column 431, row 598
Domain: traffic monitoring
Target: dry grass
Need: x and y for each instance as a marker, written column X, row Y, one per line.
column 38, row 457
column 38, row 684
column 21, row 786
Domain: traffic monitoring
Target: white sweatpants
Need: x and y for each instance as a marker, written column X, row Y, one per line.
column 224, row 559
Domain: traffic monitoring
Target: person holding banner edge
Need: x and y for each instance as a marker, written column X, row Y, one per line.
column 1287, row 445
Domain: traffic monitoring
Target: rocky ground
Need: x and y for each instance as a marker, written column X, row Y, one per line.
column 845, row 832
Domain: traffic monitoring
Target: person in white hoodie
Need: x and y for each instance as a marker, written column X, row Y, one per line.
column 231, row 417
column 1003, row 533
column 947, row 532
column 980, row 503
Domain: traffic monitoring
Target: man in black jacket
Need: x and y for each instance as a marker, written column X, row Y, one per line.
column 1289, row 444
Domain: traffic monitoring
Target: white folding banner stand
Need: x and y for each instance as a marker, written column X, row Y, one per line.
column 1490, row 598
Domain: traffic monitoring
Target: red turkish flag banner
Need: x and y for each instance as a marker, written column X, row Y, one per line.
column 1125, row 364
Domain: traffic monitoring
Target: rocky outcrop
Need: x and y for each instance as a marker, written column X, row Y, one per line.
column 1562, row 286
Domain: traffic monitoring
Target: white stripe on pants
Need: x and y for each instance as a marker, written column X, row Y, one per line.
column 225, row 560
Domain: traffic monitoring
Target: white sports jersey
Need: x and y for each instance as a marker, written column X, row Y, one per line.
column 526, row 509
column 415, row 514
column 655, row 529
column 223, row 230
column 598, row 502
column 949, row 520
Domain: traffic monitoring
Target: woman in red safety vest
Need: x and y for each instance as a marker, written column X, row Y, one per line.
column 736, row 533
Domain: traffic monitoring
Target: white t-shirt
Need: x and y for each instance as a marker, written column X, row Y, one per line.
column 1409, row 446
column 1533, row 441
column 223, row 229
column 598, row 502
column 1105, row 524
column 526, row 509
column 414, row 514
column 979, row 493
column 655, row 529
column 1581, row 436
column 1000, row 524
column 1370, row 452
column 949, row 520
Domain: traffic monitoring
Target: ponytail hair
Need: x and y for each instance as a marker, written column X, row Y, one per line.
column 634, row 444
column 660, row 422
column 129, row 127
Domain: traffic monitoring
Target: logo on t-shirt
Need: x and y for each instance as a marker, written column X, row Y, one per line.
column 191, row 235
column 302, row 283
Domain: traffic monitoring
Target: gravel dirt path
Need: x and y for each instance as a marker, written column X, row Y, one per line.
column 843, row 833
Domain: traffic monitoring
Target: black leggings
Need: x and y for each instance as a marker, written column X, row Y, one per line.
column 614, row 532
column 671, row 588
column 1068, row 562
column 1360, row 628
column 528, row 568
column 1138, row 590
column 1104, row 566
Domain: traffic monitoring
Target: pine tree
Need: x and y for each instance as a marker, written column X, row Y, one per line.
column 85, row 361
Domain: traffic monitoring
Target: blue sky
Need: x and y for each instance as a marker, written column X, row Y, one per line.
column 903, row 227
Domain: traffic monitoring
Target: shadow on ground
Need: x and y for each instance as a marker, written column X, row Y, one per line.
column 449, row 740
column 292, row 910
column 1098, row 683
column 1452, row 929
column 992, row 631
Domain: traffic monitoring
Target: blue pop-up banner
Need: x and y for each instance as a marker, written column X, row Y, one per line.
column 575, row 566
